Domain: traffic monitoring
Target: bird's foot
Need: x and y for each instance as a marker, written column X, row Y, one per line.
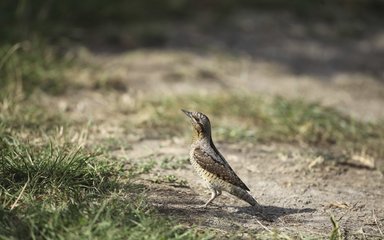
column 204, row 206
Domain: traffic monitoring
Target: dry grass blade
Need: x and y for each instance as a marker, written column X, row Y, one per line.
column 336, row 233
column 21, row 193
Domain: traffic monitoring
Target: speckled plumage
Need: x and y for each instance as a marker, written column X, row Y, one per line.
column 211, row 165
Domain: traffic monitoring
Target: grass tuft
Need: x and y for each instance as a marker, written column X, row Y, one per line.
column 335, row 233
column 45, row 171
column 61, row 192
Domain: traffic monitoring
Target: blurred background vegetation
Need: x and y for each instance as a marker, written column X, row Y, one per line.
column 24, row 19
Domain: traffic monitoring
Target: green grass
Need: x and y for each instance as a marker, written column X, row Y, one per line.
column 336, row 233
column 111, row 218
column 173, row 163
column 61, row 192
column 171, row 179
column 28, row 116
column 32, row 65
column 49, row 170
column 242, row 117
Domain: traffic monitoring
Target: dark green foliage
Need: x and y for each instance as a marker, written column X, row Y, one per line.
column 20, row 19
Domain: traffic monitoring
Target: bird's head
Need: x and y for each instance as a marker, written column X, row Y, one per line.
column 200, row 124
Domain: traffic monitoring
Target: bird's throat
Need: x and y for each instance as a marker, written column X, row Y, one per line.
column 198, row 136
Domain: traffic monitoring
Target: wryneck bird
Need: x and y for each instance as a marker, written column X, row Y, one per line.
column 211, row 165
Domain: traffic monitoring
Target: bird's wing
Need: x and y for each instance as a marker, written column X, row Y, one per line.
column 216, row 167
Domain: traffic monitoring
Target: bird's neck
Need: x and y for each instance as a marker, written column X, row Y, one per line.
column 201, row 137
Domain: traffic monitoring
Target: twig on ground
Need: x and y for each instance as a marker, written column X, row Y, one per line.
column 377, row 223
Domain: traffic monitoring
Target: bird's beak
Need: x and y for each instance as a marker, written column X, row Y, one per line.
column 189, row 114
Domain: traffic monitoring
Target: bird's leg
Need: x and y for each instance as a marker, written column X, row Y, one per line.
column 214, row 194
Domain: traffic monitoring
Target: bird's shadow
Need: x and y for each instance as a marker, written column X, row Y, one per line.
column 272, row 213
column 184, row 204
column 264, row 213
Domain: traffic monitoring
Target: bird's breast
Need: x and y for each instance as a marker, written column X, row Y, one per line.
column 211, row 179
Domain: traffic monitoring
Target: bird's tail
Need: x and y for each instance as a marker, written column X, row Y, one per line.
column 243, row 195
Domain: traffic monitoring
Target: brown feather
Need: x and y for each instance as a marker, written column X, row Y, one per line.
column 222, row 171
